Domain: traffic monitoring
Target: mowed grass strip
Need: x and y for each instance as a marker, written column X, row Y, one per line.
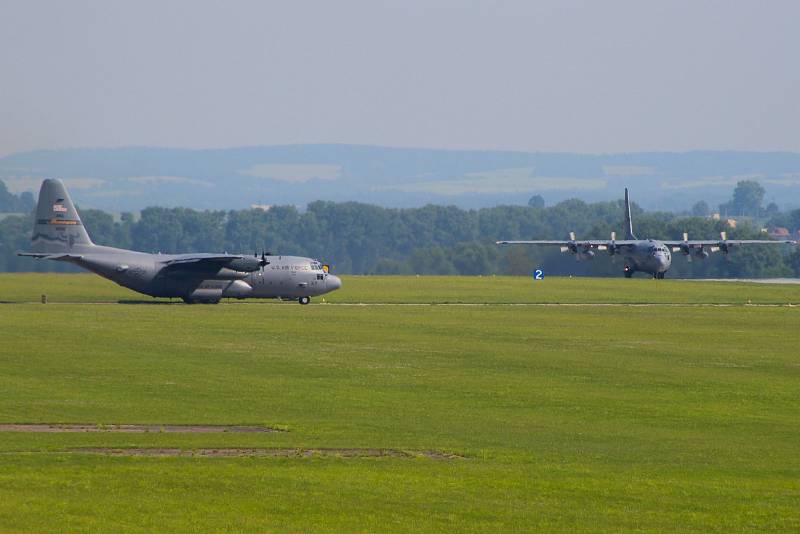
column 590, row 419
column 74, row 288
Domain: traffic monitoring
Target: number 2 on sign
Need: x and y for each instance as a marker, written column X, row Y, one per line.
column 538, row 274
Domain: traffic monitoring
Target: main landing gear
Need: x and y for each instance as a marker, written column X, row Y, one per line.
column 658, row 276
column 188, row 300
column 628, row 271
column 304, row 300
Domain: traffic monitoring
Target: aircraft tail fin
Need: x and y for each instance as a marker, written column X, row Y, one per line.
column 58, row 227
column 628, row 222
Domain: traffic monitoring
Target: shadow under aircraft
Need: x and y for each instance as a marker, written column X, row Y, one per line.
column 650, row 256
column 59, row 234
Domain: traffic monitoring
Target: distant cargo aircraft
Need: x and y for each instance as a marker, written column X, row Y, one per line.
column 646, row 255
column 58, row 234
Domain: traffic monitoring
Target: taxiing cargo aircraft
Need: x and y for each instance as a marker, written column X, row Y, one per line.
column 59, row 234
column 646, row 255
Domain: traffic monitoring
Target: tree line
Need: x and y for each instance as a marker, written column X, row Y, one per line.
column 11, row 203
column 360, row 238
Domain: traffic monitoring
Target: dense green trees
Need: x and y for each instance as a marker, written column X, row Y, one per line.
column 748, row 197
column 701, row 209
column 10, row 203
column 362, row 238
column 536, row 201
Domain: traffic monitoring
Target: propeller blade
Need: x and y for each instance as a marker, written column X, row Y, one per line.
column 724, row 235
column 613, row 236
column 686, row 236
column 572, row 236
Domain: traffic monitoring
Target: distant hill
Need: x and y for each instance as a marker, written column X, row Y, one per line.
column 132, row 178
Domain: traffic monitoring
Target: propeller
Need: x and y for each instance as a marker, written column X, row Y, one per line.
column 685, row 248
column 583, row 253
column 724, row 247
column 612, row 247
column 571, row 246
column 264, row 262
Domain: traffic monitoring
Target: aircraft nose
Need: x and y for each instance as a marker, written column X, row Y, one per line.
column 333, row 282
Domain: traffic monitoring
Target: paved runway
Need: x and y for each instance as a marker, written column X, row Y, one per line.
column 753, row 280
column 446, row 304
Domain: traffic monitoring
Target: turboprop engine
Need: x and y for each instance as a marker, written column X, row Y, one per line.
column 698, row 251
column 684, row 247
column 240, row 268
column 230, row 274
column 248, row 264
column 724, row 247
column 582, row 252
column 612, row 247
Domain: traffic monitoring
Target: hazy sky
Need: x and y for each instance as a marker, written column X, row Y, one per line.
column 591, row 76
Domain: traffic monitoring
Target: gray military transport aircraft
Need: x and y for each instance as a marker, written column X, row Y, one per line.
column 58, row 234
column 646, row 255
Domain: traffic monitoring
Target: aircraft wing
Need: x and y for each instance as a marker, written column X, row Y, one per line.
column 199, row 265
column 203, row 259
column 734, row 242
column 584, row 243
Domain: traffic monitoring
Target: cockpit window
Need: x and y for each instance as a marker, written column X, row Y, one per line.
column 316, row 266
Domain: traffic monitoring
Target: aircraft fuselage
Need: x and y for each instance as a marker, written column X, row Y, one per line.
column 290, row 277
column 647, row 256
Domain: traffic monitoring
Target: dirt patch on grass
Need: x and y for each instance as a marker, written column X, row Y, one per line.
column 268, row 453
column 188, row 429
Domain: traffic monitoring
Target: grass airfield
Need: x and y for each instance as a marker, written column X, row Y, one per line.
column 678, row 416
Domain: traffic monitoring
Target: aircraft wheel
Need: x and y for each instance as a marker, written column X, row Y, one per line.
column 187, row 300
column 304, row 300
column 628, row 273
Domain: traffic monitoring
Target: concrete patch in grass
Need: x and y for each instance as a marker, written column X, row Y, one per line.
column 187, row 429
column 268, row 453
